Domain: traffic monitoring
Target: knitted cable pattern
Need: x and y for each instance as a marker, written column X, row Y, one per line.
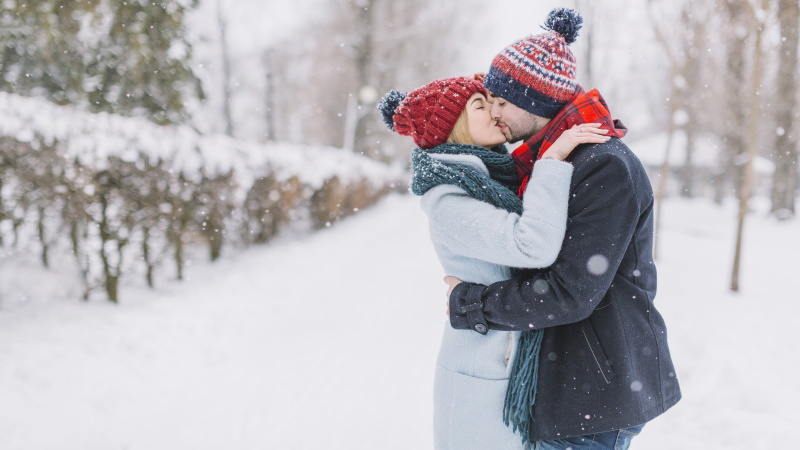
column 427, row 172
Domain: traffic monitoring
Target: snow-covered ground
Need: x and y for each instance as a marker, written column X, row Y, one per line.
column 329, row 340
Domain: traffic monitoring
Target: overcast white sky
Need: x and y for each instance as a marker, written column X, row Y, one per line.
column 624, row 60
column 504, row 20
column 496, row 24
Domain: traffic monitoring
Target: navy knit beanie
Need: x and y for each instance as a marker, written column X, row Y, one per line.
column 537, row 73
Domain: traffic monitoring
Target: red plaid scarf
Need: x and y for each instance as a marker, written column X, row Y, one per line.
column 585, row 107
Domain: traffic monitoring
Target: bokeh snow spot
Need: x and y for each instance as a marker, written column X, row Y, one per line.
column 597, row 265
column 540, row 287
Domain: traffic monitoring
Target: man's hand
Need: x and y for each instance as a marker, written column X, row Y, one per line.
column 452, row 283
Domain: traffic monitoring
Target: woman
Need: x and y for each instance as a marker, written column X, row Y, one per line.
column 480, row 230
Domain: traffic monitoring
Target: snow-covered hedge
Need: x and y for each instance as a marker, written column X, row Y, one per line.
column 125, row 196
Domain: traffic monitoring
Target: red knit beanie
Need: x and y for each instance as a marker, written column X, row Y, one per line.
column 429, row 113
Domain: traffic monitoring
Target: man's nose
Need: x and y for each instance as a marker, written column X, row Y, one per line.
column 495, row 111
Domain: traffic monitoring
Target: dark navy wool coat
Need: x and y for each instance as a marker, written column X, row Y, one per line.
column 604, row 363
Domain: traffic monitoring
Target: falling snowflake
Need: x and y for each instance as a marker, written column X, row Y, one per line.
column 597, row 265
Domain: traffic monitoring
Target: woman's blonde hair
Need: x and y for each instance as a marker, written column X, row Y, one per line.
column 460, row 133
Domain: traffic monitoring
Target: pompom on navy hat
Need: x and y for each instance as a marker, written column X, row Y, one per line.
column 538, row 72
column 429, row 113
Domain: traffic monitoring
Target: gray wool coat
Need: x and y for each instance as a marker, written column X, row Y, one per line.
column 479, row 242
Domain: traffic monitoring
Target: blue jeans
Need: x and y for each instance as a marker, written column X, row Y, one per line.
column 609, row 440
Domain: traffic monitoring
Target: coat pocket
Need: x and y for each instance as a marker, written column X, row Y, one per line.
column 468, row 413
column 476, row 355
column 596, row 357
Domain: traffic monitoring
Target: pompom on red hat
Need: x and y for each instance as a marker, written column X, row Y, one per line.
column 429, row 113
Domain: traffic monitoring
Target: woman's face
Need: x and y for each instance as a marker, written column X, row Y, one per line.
column 483, row 130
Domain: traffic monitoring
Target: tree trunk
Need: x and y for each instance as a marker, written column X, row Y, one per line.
column 269, row 97
column 663, row 176
column 688, row 171
column 3, row 215
column 752, row 151
column 675, row 103
column 364, row 63
column 730, row 175
column 784, row 181
column 75, row 241
column 179, row 256
column 40, row 227
column 692, row 102
column 214, row 230
column 176, row 231
column 109, row 280
column 146, row 256
column 226, row 70
column 112, row 288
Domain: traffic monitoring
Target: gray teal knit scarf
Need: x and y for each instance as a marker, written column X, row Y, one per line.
column 498, row 189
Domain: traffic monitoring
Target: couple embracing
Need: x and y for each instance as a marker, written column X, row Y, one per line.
column 553, row 339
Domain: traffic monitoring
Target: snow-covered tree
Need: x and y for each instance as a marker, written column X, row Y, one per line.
column 125, row 57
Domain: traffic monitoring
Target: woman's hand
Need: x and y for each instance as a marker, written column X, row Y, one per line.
column 585, row 133
column 452, row 283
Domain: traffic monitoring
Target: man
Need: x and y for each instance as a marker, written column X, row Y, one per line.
column 604, row 367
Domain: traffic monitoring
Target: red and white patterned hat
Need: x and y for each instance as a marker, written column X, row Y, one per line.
column 538, row 72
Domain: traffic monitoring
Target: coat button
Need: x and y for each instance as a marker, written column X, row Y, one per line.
column 480, row 328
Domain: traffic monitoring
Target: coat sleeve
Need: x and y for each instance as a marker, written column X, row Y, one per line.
column 476, row 229
column 603, row 215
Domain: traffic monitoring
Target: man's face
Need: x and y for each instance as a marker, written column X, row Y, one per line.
column 515, row 123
